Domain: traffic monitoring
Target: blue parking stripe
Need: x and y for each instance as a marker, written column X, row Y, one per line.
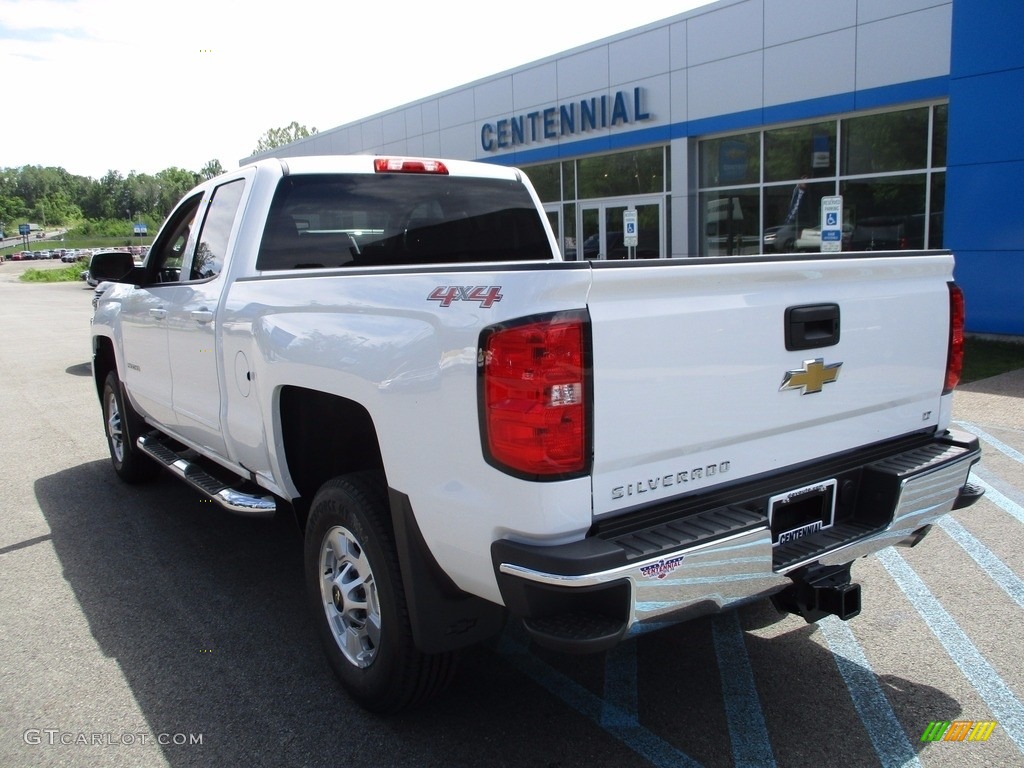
column 887, row 735
column 1005, row 707
column 995, row 442
column 620, row 689
column 996, row 569
column 658, row 752
column 747, row 730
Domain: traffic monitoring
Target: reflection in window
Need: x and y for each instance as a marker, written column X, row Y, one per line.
column 891, row 178
column 213, row 237
column 168, row 252
column 730, row 160
column 569, row 231
column 546, row 179
column 624, row 173
column 939, row 133
column 789, row 211
column 891, row 141
column 569, row 180
column 729, row 222
column 887, row 213
column 798, row 151
column 938, row 206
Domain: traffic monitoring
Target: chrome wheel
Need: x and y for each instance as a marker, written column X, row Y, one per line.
column 114, row 427
column 348, row 593
column 121, row 423
column 355, row 590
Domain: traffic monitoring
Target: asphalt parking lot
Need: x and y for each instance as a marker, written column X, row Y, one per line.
column 139, row 626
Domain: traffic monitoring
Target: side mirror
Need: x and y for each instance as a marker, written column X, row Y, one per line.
column 113, row 266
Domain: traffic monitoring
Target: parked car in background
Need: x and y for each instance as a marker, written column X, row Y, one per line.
column 898, row 232
column 647, row 249
column 779, row 239
column 880, row 233
column 810, row 238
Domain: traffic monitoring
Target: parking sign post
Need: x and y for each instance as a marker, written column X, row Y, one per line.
column 630, row 237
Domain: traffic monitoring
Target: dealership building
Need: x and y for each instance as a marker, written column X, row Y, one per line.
column 724, row 128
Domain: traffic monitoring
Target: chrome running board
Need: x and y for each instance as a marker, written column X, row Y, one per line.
column 221, row 493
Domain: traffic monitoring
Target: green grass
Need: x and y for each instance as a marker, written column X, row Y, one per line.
column 988, row 357
column 70, row 273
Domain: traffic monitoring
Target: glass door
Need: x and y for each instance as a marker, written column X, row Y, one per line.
column 553, row 212
column 601, row 231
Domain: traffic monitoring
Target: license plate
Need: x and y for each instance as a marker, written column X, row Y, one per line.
column 795, row 514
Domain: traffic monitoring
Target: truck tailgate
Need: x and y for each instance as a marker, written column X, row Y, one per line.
column 694, row 385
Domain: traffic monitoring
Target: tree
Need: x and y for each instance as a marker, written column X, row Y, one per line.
column 277, row 137
column 211, row 169
column 174, row 183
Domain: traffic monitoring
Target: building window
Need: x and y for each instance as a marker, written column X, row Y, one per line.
column 640, row 172
column 730, row 160
column 800, row 150
column 547, row 180
column 761, row 191
column 585, row 197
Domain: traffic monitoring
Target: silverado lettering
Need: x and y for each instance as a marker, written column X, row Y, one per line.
column 678, row 478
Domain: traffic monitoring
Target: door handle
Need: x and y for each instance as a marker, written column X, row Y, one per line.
column 201, row 315
column 159, row 314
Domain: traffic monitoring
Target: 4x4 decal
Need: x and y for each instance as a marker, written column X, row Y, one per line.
column 487, row 295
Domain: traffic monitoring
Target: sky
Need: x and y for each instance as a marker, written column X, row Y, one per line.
column 99, row 85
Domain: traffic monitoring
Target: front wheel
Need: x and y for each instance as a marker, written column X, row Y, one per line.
column 354, row 586
column 122, row 426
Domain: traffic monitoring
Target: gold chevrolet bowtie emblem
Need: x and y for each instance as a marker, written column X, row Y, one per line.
column 812, row 377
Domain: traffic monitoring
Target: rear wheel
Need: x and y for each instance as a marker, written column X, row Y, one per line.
column 354, row 586
column 122, row 426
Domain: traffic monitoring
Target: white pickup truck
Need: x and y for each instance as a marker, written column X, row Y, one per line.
column 467, row 427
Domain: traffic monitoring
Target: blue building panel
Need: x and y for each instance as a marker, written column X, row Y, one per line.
column 985, row 115
column 985, row 160
column 984, row 205
column 991, row 281
column 987, row 36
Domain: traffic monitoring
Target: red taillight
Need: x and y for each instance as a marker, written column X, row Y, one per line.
column 408, row 165
column 534, row 393
column 955, row 355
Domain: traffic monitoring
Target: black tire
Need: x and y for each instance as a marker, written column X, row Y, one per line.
column 354, row 587
column 122, row 427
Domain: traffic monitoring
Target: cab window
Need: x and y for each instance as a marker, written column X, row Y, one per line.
column 163, row 265
column 207, row 259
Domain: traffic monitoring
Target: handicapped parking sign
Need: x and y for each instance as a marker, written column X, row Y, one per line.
column 832, row 223
column 629, row 232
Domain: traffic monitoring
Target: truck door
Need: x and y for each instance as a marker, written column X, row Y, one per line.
column 192, row 326
column 144, row 312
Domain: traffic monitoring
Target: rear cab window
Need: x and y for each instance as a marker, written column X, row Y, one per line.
column 326, row 221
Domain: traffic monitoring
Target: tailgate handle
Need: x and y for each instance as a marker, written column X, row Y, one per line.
column 812, row 326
